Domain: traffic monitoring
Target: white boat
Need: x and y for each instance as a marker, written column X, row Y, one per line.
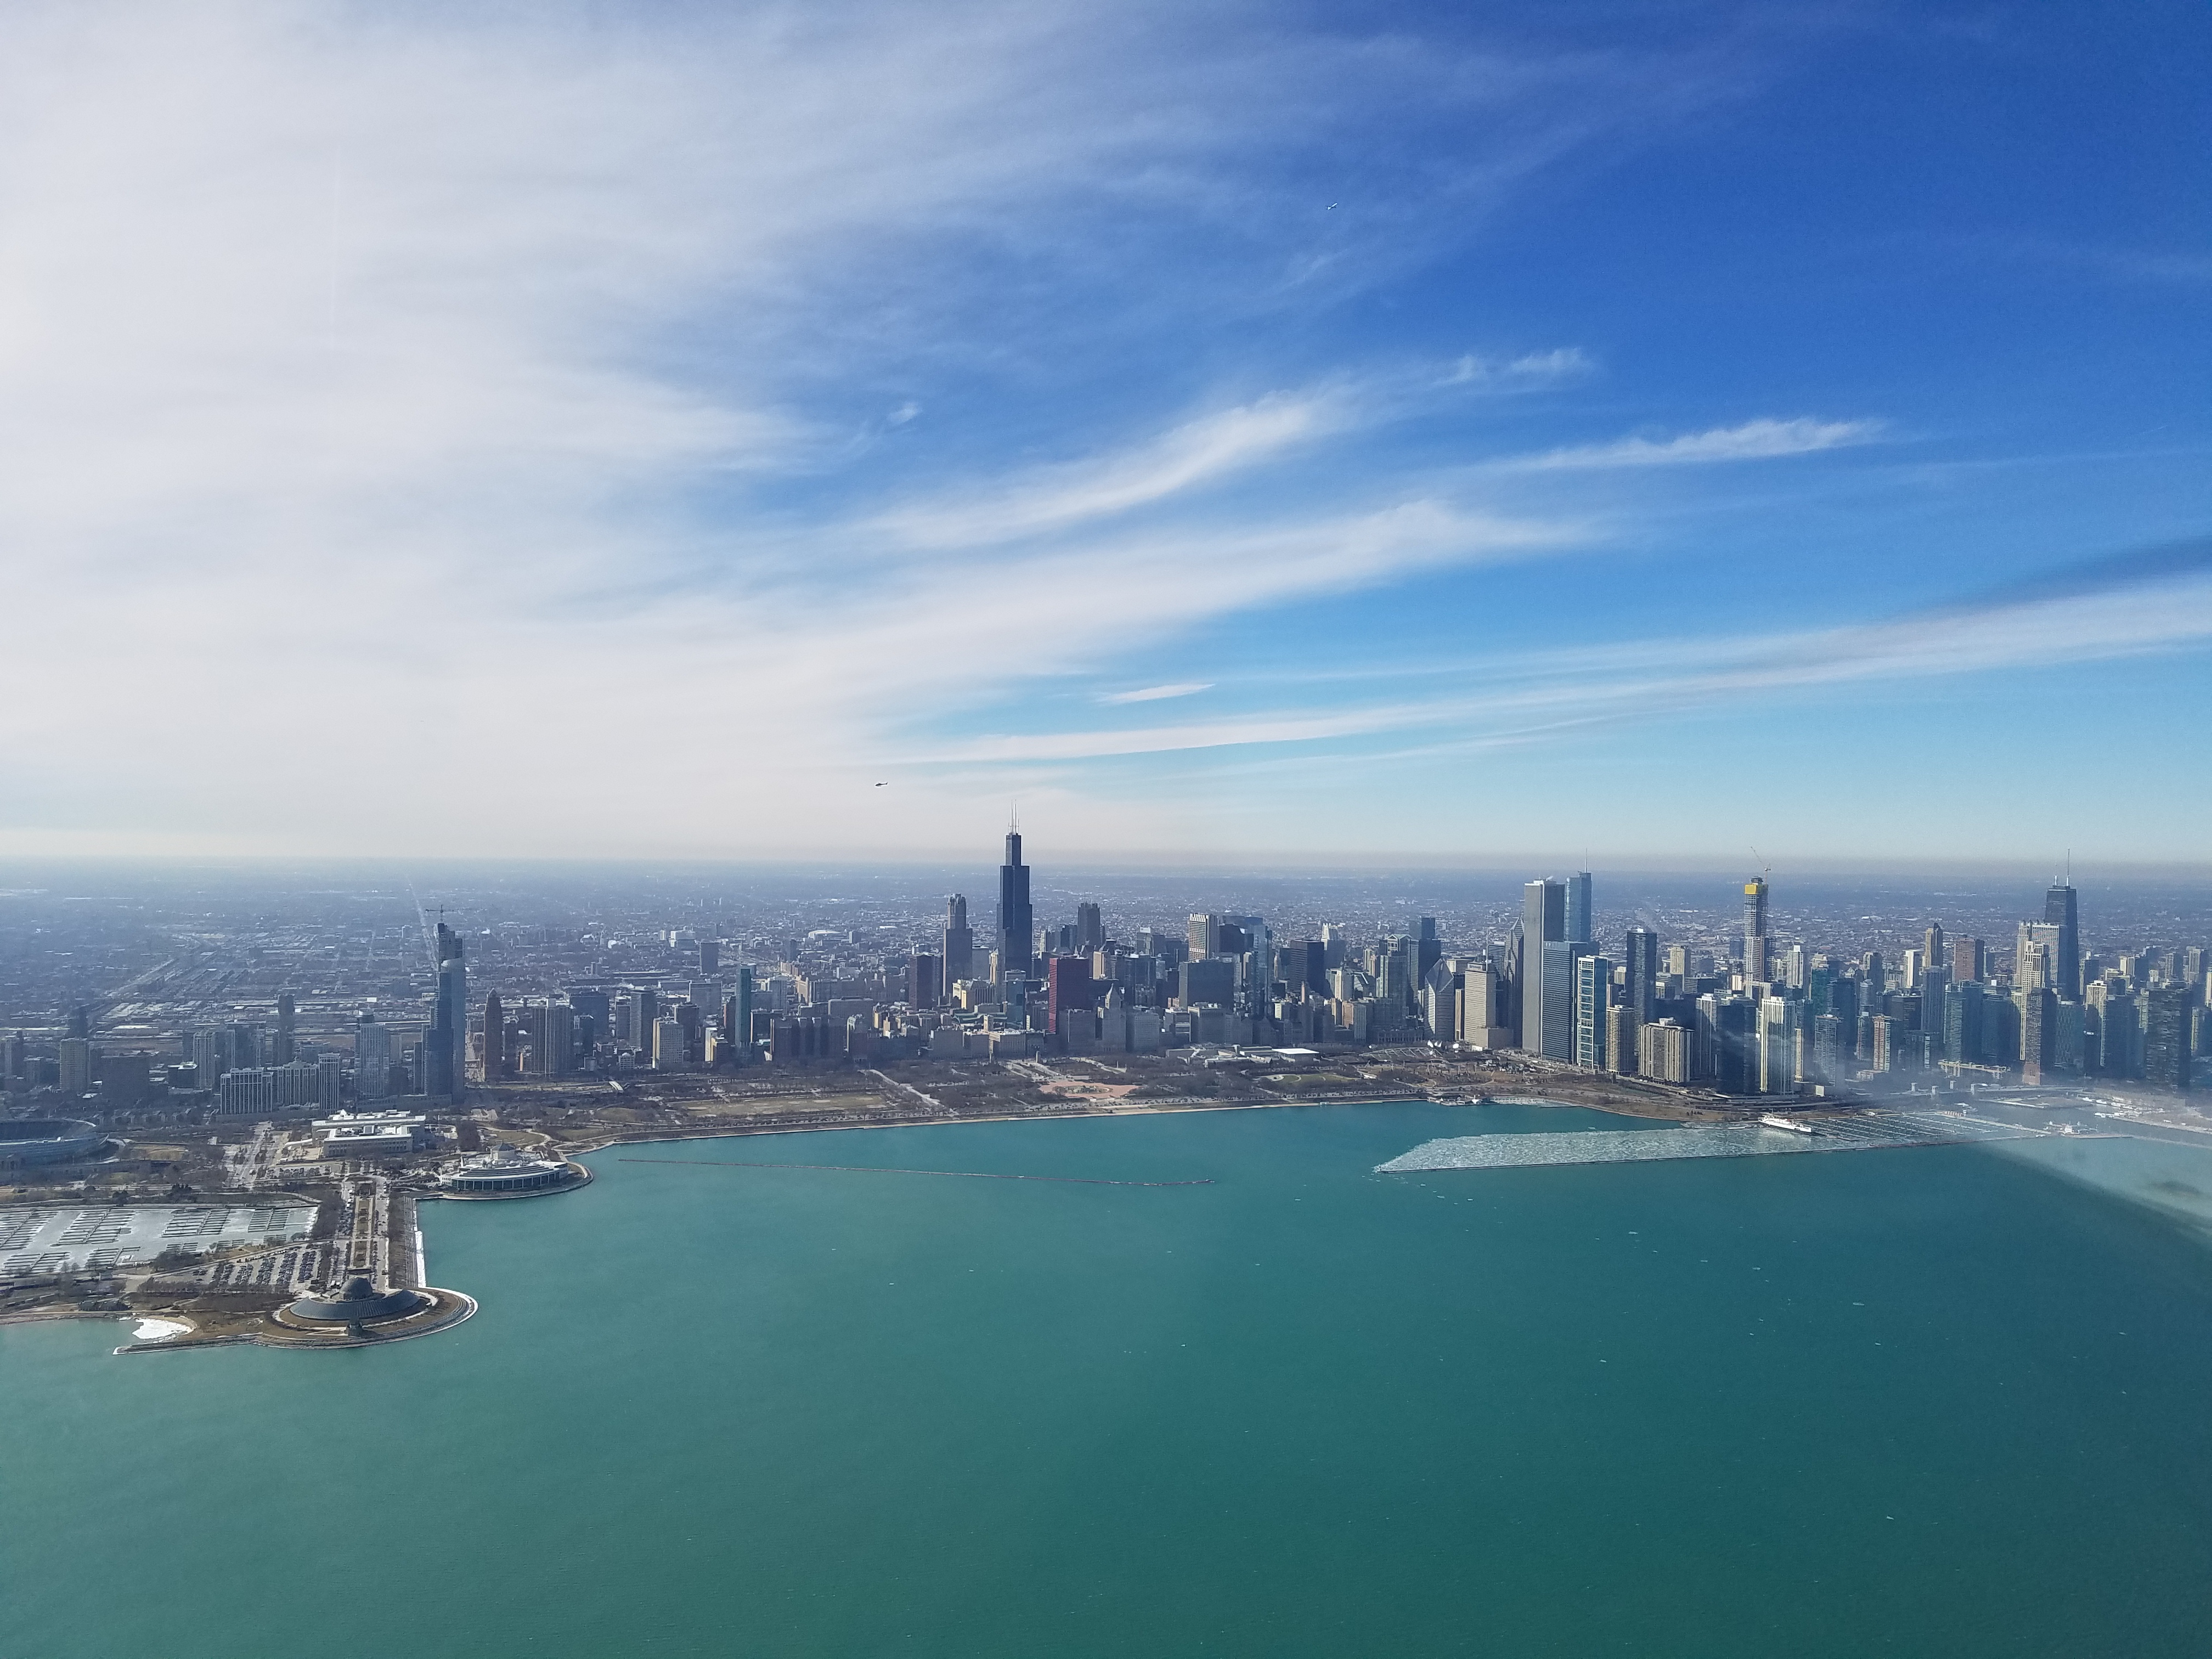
column 1771, row 1121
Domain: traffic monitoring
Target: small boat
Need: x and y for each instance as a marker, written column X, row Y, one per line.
column 1771, row 1121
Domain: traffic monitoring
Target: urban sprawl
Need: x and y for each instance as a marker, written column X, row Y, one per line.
column 1762, row 1016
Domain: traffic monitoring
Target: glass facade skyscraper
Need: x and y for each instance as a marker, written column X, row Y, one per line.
column 1546, row 986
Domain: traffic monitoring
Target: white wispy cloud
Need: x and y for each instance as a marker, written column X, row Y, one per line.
column 1760, row 440
column 421, row 424
column 1531, row 370
column 1159, row 693
column 1195, row 454
column 1645, row 680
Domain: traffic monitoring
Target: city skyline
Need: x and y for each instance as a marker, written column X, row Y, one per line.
column 1168, row 426
column 1106, row 828
column 1835, row 1005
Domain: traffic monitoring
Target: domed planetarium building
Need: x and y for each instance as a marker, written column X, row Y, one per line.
column 358, row 1302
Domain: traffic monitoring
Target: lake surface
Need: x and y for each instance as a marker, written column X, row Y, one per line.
column 1935, row 1401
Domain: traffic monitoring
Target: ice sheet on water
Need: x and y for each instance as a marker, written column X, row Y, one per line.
column 1861, row 1132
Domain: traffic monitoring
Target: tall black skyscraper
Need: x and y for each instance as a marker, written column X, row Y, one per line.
column 1016, row 934
column 2058, row 907
column 2165, row 1049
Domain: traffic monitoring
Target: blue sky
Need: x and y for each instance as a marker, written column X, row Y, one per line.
column 1269, row 432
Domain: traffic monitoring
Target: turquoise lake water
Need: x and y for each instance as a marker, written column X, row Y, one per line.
column 1927, row 1401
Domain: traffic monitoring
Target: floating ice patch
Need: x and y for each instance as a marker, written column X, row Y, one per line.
column 1857, row 1132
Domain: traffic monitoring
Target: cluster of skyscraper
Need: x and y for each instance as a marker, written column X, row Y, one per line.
column 1767, row 1018
column 1770, row 1019
column 1774, row 1018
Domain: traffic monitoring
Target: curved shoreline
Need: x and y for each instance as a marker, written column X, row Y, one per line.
column 467, row 1306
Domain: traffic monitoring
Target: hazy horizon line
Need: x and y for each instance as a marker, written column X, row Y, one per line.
column 1093, row 861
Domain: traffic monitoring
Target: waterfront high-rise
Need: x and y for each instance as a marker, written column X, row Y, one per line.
column 1727, row 1042
column 1547, row 1015
column 1780, row 1022
column 1754, row 929
column 1961, row 1023
column 1556, row 982
column 1579, row 916
column 1592, row 994
column 2061, row 911
column 1017, row 941
column 1640, row 961
column 2167, row 1022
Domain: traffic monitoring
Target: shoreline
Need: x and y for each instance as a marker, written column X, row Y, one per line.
column 573, row 1155
column 1140, row 1109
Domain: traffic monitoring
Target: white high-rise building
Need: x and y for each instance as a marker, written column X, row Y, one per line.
column 1479, row 1002
column 1776, row 1064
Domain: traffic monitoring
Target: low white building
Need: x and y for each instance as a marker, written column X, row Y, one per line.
column 371, row 1134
